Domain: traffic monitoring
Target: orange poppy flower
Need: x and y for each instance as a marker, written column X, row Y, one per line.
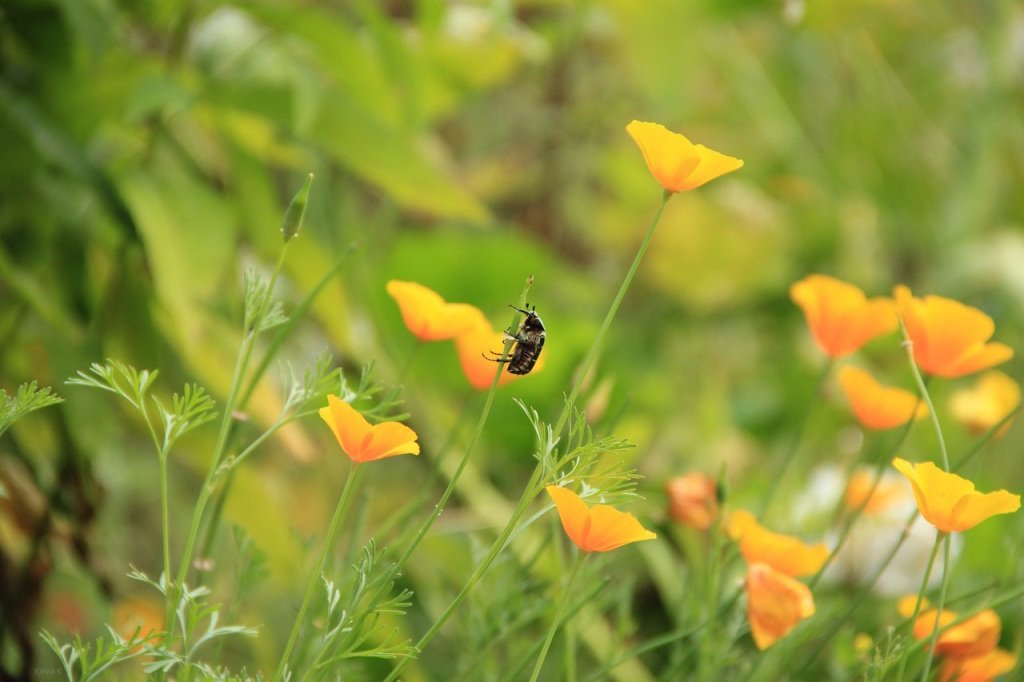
column 877, row 406
column 950, row 339
column 693, row 500
column 841, row 317
column 783, row 553
column 983, row 668
column 363, row 442
column 979, row 408
column 887, row 494
column 975, row 636
column 776, row 603
column 428, row 316
column 600, row 528
column 950, row 502
column 478, row 343
column 674, row 161
column 138, row 615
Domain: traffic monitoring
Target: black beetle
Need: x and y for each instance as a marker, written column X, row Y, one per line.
column 529, row 341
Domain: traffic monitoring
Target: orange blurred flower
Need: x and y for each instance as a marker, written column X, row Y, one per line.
column 693, row 500
column 784, row 553
column 877, row 406
column 993, row 397
column 950, row 502
column 975, row 636
column 428, row 316
column 600, row 528
column 479, row 341
column 674, row 161
column 949, row 338
column 841, row 317
column 776, row 603
column 137, row 615
column 360, row 440
column 876, row 499
column 983, row 668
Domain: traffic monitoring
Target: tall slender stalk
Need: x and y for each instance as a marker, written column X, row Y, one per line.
column 241, row 365
column 474, row 439
column 332, row 535
column 946, row 558
column 939, row 536
column 532, row 487
column 281, row 335
column 577, row 562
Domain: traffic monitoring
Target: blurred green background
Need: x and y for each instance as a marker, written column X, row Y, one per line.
column 148, row 150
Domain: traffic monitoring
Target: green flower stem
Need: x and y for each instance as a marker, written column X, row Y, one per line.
column 282, row 334
column 670, row 637
column 859, row 510
column 909, row 345
column 794, row 443
column 165, row 518
column 939, row 537
column 984, row 438
column 854, row 604
column 314, row 580
column 402, row 517
column 942, row 603
column 241, row 365
column 480, row 424
column 712, row 585
column 577, row 562
column 1006, row 598
column 532, row 487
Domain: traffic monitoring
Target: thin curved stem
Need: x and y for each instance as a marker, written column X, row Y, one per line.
column 941, row 605
column 859, row 509
column 332, row 535
column 471, row 447
column 577, row 562
column 920, row 598
column 922, row 386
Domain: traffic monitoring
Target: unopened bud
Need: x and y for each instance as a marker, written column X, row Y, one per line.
column 296, row 213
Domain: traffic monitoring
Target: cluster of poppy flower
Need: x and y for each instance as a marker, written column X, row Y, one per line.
column 949, row 340
column 969, row 649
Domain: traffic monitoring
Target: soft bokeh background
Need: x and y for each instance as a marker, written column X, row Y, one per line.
column 148, row 150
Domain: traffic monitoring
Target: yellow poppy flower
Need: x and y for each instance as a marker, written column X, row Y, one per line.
column 950, row 502
column 360, row 440
column 693, row 500
column 784, row 553
column 428, row 316
column 877, row 406
column 979, row 408
column 949, row 339
column 841, row 318
column 674, row 161
column 600, row 528
column 983, row 668
column 776, row 603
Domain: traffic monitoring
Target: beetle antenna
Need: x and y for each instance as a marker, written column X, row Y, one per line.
column 524, row 312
